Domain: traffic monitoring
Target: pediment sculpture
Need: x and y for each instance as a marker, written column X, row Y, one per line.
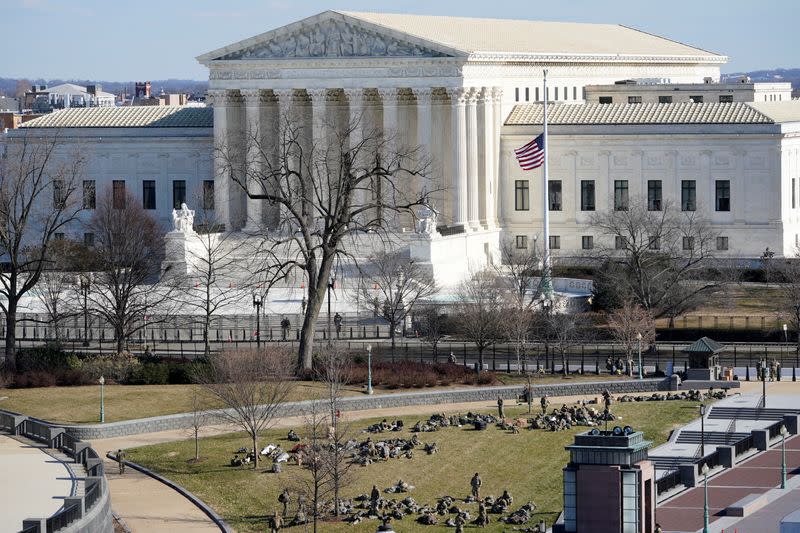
column 333, row 38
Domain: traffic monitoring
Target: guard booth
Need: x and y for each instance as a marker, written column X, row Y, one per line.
column 609, row 484
column 704, row 359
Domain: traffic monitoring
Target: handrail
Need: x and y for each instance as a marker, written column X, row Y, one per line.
column 671, row 480
column 79, row 451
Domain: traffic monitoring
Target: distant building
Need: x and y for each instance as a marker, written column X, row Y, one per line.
column 9, row 105
column 10, row 120
column 144, row 97
column 646, row 92
column 43, row 99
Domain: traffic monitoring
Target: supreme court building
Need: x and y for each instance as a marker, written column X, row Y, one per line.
column 469, row 91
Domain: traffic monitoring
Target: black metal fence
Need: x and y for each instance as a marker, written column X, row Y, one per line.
column 669, row 481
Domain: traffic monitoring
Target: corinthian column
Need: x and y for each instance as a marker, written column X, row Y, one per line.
column 221, row 168
column 458, row 97
column 356, row 120
column 255, row 164
column 424, row 124
column 389, row 99
column 286, row 119
column 473, row 210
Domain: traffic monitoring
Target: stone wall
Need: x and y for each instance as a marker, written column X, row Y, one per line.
column 98, row 519
column 402, row 399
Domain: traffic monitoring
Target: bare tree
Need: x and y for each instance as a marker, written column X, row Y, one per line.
column 336, row 372
column 38, row 201
column 562, row 332
column 394, row 284
column 315, row 485
column 251, row 384
column 326, row 196
column 521, row 269
column 198, row 420
column 785, row 276
column 479, row 311
column 626, row 324
column 432, row 323
column 658, row 258
column 215, row 261
column 128, row 282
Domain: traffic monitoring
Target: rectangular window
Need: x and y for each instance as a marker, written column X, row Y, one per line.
column 794, row 199
column 149, row 194
column 208, row 195
column 620, row 195
column 726, row 99
column 556, row 96
column 587, row 242
column 665, row 99
column 654, row 195
column 606, row 100
column 634, row 99
column 555, row 242
column 574, row 93
column 59, row 236
column 118, row 194
column 516, row 94
column 688, row 243
column 587, row 195
column 722, row 243
column 537, row 94
column 566, row 94
column 89, row 194
column 723, row 195
column 620, row 242
column 178, row 193
column 521, row 196
column 522, row 242
column 554, row 195
column 527, row 94
column 688, row 195
column 59, row 194
column 696, row 99
column 88, row 240
column 654, row 243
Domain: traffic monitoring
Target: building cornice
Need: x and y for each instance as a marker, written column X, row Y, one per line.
column 534, row 57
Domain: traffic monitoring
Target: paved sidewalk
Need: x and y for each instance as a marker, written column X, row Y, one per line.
column 33, row 484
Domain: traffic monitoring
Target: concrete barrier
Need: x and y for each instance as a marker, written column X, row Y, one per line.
column 747, row 505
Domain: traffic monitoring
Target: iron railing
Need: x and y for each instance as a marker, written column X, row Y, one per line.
column 64, row 518
column 744, row 445
column 671, row 480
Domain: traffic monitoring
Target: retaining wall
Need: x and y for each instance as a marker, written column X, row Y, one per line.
column 359, row 403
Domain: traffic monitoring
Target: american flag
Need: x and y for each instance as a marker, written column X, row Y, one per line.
column 531, row 155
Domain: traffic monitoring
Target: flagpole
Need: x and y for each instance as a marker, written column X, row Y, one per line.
column 546, row 285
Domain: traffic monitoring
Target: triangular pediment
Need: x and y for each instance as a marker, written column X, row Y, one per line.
column 328, row 35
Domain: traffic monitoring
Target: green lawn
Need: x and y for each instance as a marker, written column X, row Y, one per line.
column 528, row 465
column 81, row 405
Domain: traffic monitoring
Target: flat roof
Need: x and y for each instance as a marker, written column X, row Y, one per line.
column 127, row 117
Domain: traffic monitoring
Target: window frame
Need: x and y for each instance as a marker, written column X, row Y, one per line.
column 621, row 195
column 655, row 196
column 118, row 194
column 89, row 198
column 521, row 242
column 177, row 185
column 688, row 195
column 149, row 193
column 723, row 243
column 555, row 242
column 605, row 100
column 722, row 196
column 587, row 242
column 208, row 195
column 555, row 195
column 522, row 195
column 665, row 99
column 588, row 186
column 634, row 99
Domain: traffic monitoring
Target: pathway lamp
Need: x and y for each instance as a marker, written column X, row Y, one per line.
column 331, row 286
column 639, row 345
column 257, row 303
column 369, row 369
column 784, row 432
column 102, row 381
column 764, row 382
column 704, row 471
column 84, row 281
column 702, row 430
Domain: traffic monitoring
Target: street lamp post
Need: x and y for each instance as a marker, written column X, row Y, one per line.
column 257, row 303
column 85, row 294
column 764, row 382
column 786, row 342
column 639, row 345
column 784, row 432
column 331, row 284
column 369, row 369
column 702, row 430
column 546, row 305
column 704, row 471
column 102, row 381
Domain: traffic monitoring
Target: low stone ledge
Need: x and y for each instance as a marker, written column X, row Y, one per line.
column 747, row 505
column 382, row 401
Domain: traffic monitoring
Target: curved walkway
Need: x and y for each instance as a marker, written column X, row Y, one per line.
column 40, row 483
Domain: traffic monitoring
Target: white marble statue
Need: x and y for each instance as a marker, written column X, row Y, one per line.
column 426, row 224
column 183, row 219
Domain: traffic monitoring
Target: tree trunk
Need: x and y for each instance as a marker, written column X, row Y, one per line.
column 305, row 356
column 254, row 435
column 196, row 443
column 206, row 343
column 11, row 335
column 120, row 339
column 480, row 359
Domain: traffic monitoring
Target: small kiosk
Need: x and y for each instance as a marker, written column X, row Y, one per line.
column 703, row 360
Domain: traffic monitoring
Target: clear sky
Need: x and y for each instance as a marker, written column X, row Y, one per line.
column 119, row 40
